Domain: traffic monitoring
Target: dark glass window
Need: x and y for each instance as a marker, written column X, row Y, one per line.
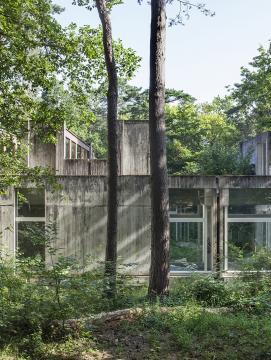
column 67, row 148
column 31, row 239
column 190, row 229
column 249, row 202
column 186, row 246
column 79, row 152
column 73, row 150
column 245, row 241
column 30, row 202
column 186, row 202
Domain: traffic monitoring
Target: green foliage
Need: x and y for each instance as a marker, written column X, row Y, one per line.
column 201, row 138
column 252, row 100
column 36, row 301
column 224, row 159
column 71, row 70
column 91, row 4
column 209, row 292
column 37, row 298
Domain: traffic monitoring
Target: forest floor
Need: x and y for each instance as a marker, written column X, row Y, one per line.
column 180, row 333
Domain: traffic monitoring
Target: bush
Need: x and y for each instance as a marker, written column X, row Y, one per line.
column 206, row 291
column 210, row 292
column 36, row 301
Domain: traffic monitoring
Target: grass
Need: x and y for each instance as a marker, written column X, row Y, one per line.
column 34, row 314
column 188, row 332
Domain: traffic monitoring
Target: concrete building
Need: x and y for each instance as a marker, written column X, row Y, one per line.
column 214, row 220
column 259, row 147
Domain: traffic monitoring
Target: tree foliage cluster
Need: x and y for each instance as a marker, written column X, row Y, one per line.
column 205, row 138
column 49, row 75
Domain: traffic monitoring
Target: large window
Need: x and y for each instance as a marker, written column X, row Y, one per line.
column 31, row 239
column 30, row 222
column 190, row 229
column 247, row 227
column 75, row 149
column 30, row 203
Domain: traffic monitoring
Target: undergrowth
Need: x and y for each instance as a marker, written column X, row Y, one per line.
column 37, row 300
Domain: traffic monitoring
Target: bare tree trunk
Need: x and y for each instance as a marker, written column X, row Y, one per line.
column 112, row 107
column 159, row 271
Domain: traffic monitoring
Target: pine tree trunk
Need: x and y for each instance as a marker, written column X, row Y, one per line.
column 112, row 107
column 159, row 271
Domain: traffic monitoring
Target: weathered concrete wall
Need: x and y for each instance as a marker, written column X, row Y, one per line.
column 79, row 211
column 97, row 167
column 244, row 182
column 74, row 167
column 192, row 182
column 260, row 149
column 60, row 153
column 41, row 154
column 134, row 149
column 7, row 212
column 133, row 159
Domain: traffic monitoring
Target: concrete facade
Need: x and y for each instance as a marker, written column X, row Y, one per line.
column 259, row 148
column 78, row 210
column 206, row 212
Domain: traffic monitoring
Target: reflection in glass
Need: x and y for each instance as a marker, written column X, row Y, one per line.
column 249, row 202
column 31, row 239
column 190, row 229
column 186, row 246
column 30, row 202
column 245, row 241
column 186, row 202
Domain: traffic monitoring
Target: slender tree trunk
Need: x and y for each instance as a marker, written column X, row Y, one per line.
column 159, row 271
column 112, row 107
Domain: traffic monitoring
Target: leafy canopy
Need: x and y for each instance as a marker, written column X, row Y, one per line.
column 251, row 110
column 47, row 75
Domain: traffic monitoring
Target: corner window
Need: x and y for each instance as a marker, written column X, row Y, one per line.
column 247, row 228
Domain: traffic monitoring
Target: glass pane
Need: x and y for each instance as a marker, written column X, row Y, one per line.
column 73, row 150
column 79, row 152
column 249, row 202
column 186, row 202
column 67, row 148
column 245, row 242
column 31, row 202
column 186, row 246
column 31, row 239
column 85, row 154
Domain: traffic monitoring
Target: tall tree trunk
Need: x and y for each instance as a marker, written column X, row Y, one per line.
column 159, row 271
column 112, row 107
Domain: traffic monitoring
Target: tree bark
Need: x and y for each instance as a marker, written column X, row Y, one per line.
column 159, row 271
column 112, row 107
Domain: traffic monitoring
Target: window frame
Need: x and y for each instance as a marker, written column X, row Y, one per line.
column 26, row 219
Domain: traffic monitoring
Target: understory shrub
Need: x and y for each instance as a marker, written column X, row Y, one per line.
column 37, row 300
column 193, row 330
column 206, row 291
